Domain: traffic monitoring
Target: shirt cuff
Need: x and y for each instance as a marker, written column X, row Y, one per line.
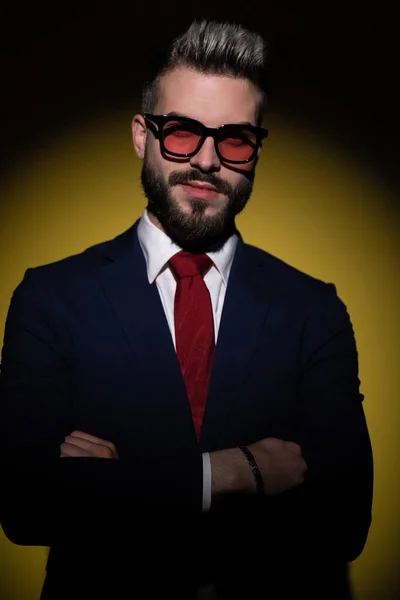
column 206, row 482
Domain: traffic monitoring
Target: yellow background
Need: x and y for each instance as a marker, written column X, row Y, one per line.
column 315, row 205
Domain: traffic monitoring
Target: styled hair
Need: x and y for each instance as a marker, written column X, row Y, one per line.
column 215, row 48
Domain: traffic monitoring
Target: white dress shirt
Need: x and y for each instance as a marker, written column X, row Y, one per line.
column 158, row 248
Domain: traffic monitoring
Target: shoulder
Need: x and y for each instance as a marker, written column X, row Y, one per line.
column 275, row 271
column 291, row 286
column 302, row 298
column 78, row 267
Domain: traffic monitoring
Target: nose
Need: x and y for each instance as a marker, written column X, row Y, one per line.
column 206, row 159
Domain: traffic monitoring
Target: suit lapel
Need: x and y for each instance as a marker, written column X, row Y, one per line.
column 138, row 309
column 245, row 309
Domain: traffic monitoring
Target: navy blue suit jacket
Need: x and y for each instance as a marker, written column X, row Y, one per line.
column 87, row 347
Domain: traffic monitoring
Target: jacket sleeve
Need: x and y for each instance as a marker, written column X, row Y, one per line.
column 334, row 504
column 45, row 496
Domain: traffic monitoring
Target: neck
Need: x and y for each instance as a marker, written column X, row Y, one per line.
column 153, row 219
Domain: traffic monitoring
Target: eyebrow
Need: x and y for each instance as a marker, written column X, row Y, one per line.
column 181, row 115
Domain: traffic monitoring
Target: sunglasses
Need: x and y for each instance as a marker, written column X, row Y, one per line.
column 183, row 137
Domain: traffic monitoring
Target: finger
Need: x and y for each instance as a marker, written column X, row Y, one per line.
column 304, row 465
column 91, row 438
column 293, row 447
column 93, row 449
column 72, row 450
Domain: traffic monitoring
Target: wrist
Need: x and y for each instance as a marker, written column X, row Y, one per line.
column 258, row 480
column 230, row 473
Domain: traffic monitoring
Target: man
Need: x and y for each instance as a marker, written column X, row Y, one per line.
column 180, row 411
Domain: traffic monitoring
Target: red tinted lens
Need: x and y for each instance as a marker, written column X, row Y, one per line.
column 237, row 143
column 180, row 137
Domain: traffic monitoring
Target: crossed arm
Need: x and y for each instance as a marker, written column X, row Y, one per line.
column 281, row 463
column 323, row 478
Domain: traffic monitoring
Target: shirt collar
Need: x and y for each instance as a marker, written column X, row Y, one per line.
column 158, row 248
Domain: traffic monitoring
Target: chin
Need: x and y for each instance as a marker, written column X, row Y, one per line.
column 213, row 210
column 206, row 207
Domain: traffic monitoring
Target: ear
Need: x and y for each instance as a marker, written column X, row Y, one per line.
column 139, row 131
column 258, row 153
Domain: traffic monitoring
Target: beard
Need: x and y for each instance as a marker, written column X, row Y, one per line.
column 194, row 231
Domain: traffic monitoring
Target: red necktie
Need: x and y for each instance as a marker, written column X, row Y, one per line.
column 194, row 328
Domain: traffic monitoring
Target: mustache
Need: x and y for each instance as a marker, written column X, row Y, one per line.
column 184, row 177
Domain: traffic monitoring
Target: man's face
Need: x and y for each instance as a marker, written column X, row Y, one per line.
column 180, row 199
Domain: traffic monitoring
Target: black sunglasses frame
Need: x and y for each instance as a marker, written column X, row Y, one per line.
column 214, row 132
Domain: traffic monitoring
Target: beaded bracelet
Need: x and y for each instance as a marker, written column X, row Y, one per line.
column 254, row 468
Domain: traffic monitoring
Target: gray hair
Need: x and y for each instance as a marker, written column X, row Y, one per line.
column 216, row 48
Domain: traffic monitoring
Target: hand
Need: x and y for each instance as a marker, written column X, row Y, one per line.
column 280, row 463
column 80, row 444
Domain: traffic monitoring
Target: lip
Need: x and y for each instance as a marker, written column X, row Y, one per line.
column 202, row 185
column 201, row 190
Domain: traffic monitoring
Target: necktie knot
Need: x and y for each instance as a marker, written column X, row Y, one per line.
column 186, row 264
